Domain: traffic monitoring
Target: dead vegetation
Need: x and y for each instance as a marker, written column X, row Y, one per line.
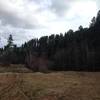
column 52, row 86
column 14, row 68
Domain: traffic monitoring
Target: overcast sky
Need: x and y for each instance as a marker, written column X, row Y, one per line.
column 26, row 19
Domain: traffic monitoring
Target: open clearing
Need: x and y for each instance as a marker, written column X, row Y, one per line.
column 51, row 86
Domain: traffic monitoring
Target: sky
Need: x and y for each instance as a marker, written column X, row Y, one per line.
column 27, row 19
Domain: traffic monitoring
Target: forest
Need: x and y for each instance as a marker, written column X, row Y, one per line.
column 73, row 50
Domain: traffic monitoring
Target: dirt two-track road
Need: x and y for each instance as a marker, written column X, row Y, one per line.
column 50, row 86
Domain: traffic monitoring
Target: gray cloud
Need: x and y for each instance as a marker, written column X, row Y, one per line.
column 25, row 13
column 60, row 7
column 17, row 15
column 25, row 19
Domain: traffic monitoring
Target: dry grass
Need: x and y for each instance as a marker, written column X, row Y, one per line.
column 51, row 86
column 14, row 68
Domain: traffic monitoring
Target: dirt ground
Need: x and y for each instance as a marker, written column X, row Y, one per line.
column 51, row 86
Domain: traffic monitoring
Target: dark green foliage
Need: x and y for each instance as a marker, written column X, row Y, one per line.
column 79, row 50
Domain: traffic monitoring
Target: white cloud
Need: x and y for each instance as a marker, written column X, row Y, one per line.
column 82, row 12
column 26, row 19
column 98, row 4
column 17, row 13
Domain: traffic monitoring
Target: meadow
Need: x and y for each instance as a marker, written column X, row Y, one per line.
column 50, row 86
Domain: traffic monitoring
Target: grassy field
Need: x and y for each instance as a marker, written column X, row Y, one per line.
column 14, row 68
column 51, row 86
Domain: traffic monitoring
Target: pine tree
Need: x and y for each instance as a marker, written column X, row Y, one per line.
column 10, row 41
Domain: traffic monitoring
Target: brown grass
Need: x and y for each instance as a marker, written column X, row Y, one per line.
column 14, row 68
column 51, row 86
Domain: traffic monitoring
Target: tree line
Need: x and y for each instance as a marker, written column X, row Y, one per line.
column 79, row 50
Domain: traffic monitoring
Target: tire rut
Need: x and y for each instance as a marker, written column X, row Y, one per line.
column 10, row 88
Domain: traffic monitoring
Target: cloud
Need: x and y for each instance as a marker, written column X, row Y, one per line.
column 17, row 14
column 25, row 19
column 98, row 4
column 60, row 7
